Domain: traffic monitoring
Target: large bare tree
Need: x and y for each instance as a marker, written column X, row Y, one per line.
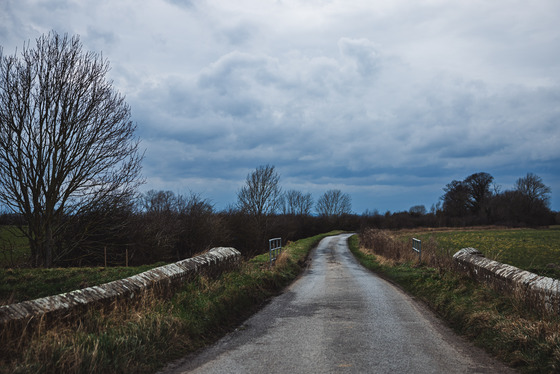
column 261, row 194
column 67, row 143
column 533, row 188
column 334, row 203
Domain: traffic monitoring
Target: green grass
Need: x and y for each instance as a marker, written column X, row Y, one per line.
column 144, row 337
column 535, row 250
column 501, row 325
column 14, row 248
column 20, row 284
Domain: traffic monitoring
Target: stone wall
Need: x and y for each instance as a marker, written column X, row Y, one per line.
column 163, row 279
column 540, row 292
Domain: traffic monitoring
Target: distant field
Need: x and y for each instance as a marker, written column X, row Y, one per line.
column 14, row 248
column 529, row 249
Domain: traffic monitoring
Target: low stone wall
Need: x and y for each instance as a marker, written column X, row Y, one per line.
column 540, row 292
column 163, row 279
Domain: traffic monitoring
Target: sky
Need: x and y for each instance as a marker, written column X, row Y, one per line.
column 387, row 101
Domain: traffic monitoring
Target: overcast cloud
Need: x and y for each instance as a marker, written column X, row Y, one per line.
column 386, row 100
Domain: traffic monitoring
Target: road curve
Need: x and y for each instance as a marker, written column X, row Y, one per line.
column 340, row 318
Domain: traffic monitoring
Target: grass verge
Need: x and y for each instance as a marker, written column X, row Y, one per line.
column 142, row 338
column 501, row 325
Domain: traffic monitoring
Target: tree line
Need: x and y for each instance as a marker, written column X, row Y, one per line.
column 161, row 225
column 477, row 200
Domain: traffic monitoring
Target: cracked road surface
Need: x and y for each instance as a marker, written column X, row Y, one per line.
column 340, row 318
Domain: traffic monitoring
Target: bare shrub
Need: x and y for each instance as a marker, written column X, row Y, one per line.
column 434, row 256
column 383, row 243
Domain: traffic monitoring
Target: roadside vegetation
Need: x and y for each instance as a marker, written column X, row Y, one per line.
column 143, row 337
column 504, row 326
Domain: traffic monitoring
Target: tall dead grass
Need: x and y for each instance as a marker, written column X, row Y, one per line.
column 386, row 244
column 102, row 341
column 282, row 259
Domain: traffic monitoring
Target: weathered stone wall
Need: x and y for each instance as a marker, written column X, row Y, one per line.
column 163, row 279
column 540, row 292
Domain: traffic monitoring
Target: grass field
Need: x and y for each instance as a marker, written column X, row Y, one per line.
column 535, row 250
column 14, row 248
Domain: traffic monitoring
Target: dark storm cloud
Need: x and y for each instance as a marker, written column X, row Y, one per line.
column 388, row 101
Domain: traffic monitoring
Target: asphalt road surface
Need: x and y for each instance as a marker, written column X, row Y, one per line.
column 340, row 318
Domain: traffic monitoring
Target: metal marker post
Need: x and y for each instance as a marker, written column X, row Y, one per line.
column 274, row 249
column 417, row 247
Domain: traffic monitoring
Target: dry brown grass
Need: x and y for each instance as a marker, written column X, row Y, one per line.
column 385, row 243
column 282, row 259
column 90, row 343
column 382, row 260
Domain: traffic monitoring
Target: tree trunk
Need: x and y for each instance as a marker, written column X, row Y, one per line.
column 48, row 247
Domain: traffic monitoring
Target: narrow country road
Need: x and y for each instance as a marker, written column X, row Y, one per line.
column 340, row 318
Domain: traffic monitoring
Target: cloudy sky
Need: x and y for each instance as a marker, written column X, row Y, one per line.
column 386, row 100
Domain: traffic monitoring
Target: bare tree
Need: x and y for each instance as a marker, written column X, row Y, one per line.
column 67, row 144
column 334, row 203
column 201, row 228
column 158, row 226
column 533, row 187
column 259, row 198
column 261, row 194
column 160, row 202
column 417, row 210
column 297, row 203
